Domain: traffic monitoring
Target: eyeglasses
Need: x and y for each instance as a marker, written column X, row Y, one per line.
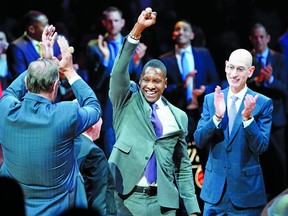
column 230, row 68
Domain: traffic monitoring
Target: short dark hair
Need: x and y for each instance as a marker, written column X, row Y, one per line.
column 111, row 9
column 155, row 63
column 257, row 25
column 31, row 17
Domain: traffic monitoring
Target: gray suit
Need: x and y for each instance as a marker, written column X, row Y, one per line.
column 37, row 139
column 136, row 141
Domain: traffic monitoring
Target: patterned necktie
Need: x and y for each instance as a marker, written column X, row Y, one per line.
column 185, row 72
column 151, row 168
column 232, row 112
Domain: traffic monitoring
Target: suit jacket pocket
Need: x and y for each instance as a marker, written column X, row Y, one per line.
column 250, row 171
column 123, row 147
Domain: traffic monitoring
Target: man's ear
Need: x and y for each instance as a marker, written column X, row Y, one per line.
column 166, row 80
column 192, row 36
column 251, row 70
column 31, row 29
column 25, row 81
column 103, row 22
column 55, row 86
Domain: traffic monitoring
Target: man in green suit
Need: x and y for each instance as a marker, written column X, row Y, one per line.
column 136, row 140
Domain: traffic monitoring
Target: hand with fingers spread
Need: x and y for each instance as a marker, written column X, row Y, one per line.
column 219, row 102
column 66, row 62
column 48, row 38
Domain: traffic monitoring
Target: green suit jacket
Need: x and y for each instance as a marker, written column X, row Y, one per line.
column 136, row 140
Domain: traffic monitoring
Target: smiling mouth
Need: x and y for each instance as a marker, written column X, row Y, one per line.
column 234, row 80
column 150, row 93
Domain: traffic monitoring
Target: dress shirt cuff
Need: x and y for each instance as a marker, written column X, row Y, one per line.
column 73, row 79
column 248, row 122
column 271, row 79
column 267, row 83
column 105, row 63
column 215, row 121
column 131, row 40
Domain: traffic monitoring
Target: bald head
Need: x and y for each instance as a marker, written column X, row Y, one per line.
column 241, row 57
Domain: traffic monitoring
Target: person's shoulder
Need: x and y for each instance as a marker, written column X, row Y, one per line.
column 18, row 41
column 201, row 50
column 69, row 105
column 166, row 55
column 276, row 54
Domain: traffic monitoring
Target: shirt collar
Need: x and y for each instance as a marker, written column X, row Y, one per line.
column 179, row 51
column 34, row 42
column 118, row 40
column 240, row 94
column 264, row 54
column 160, row 103
column 86, row 135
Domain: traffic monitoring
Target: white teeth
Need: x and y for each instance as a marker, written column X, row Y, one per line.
column 150, row 93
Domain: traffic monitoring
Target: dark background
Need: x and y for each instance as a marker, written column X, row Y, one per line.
column 225, row 23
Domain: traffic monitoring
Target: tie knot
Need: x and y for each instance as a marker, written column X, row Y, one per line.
column 114, row 43
column 234, row 98
column 260, row 58
column 183, row 53
column 154, row 106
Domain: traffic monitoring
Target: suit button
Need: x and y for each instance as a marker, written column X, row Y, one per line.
column 146, row 157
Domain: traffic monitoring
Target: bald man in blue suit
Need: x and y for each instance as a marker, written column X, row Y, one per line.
column 233, row 181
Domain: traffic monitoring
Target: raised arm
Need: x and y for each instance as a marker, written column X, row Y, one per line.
column 147, row 18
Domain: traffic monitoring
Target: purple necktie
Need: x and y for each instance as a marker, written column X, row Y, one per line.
column 151, row 171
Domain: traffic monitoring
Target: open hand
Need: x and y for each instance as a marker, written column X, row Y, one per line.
column 46, row 45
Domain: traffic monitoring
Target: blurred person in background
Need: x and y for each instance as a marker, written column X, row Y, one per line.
column 25, row 49
column 271, row 79
column 3, row 62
